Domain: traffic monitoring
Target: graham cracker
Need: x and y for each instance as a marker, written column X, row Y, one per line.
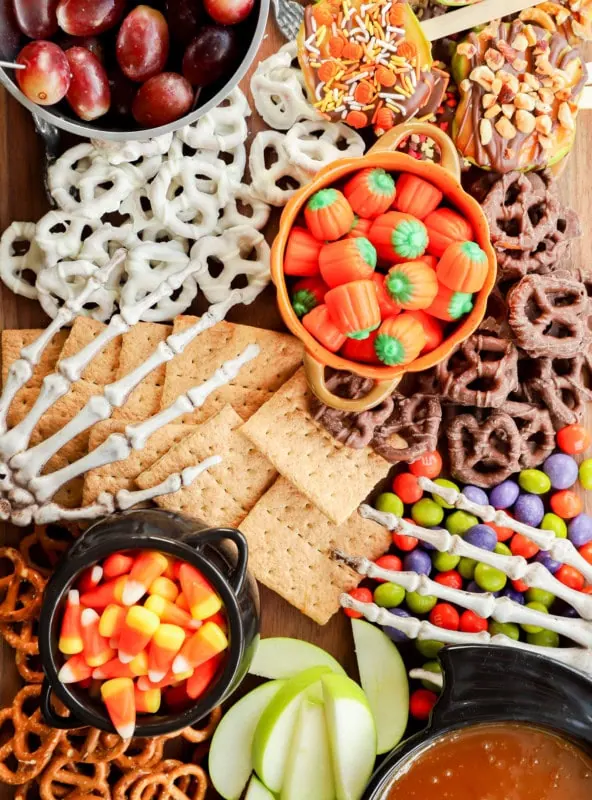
column 334, row 477
column 137, row 345
column 14, row 341
column 123, row 474
column 224, row 494
column 280, row 357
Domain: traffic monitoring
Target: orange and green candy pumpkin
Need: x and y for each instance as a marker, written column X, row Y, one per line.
column 360, row 227
column 354, row 308
column 450, row 305
column 388, row 307
column 347, row 260
column 463, row 267
column 302, row 253
column 432, row 327
column 361, row 349
column 399, row 341
column 398, row 237
column 444, row 227
column 416, row 196
column 319, row 324
column 328, row 215
column 412, row 285
column 308, row 294
column 370, row 192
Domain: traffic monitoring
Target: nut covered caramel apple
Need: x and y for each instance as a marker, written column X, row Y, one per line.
column 368, row 63
column 519, row 86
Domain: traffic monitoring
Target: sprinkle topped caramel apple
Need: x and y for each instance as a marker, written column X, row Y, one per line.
column 368, row 63
column 520, row 86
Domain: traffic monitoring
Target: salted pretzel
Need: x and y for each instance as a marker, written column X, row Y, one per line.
column 21, row 591
column 64, row 775
column 20, row 257
column 41, row 550
column 141, row 754
column 198, row 735
column 29, row 666
column 91, row 745
column 313, row 144
column 274, row 177
column 168, row 784
column 21, row 636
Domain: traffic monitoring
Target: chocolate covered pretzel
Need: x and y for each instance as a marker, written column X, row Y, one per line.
column 484, row 450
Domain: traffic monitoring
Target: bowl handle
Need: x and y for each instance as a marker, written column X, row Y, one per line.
column 315, row 375
column 390, row 140
column 216, row 535
column 52, row 718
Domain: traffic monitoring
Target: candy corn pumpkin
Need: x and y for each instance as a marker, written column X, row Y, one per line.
column 444, row 227
column 319, row 324
column 432, row 327
column 328, row 215
column 360, row 227
column 302, row 253
column 412, row 285
column 354, row 308
column 370, row 192
column 399, row 341
column 361, row 350
column 347, row 260
column 463, row 267
column 388, row 307
column 450, row 305
column 307, row 294
column 398, row 237
column 416, row 196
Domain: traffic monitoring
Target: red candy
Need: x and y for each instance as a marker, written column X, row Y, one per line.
column 451, row 578
column 428, row 465
column 444, row 615
column 361, row 594
column 573, row 439
column 570, row 576
column 520, row 586
column 521, row 546
column 421, row 703
column 586, row 552
column 566, row 504
column 393, row 563
column 405, row 543
column 472, row 623
column 407, row 488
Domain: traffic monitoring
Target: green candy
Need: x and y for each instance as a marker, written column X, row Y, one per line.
column 322, row 199
column 409, row 239
column 534, row 481
column 466, row 567
column 426, row 512
column 459, row 522
column 540, row 596
column 420, row 603
column 489, row 578
column 436, row 668
column 429, row 648
column 460, row 304
column 535, row 628
column 585, row 474
column 444, row 561
column 366, row 250
column 447, row 485
column 551, row 522
column 390, row 503
column 543, row 638
column 509, row 629
column 389, row 595
column 502, row 549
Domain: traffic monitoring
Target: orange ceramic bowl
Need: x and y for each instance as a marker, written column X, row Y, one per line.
column 446, row 178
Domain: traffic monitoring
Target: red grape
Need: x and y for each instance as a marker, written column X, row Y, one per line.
column 143, row 43
column 229, row 12
column 10, row 35
column 46, row 77
column 89, row 93
column 185, row 18
column 210, row 55
column 82, row 18
column 92, row 43
column 36, row 18
column 162, row 99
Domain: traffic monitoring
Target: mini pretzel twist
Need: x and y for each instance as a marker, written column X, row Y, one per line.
column 141, row 754
column 411, row 429
column 21, row 636
column 313, row 144
column 63, row 775
column 66, row 280
column 91, row 745
column 41, row 550
column 223, row 128
column 169, row 784
column 129, row 152
column 232, row 214
column 21, row 590
column 538, row 437
column 484, row 452
column 60, row 235
column 274, row 181
column 19, row 256
column 199, row 735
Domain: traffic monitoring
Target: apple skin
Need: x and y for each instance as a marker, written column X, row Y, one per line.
column 281, row 657
column 257, row 791
column 229, row 12
column 309, row 772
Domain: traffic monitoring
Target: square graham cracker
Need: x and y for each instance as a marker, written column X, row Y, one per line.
column 280, row 357
column 14, row 341
column 224, row 494
column 334, row 477
column 123, row 474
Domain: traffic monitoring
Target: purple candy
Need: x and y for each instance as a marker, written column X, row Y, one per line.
column 504, row 495
column 513, row 594
column 562, row 470
column 418, row 561
column 393, row 633
column 481, row 536
column 529, row 509
column 476, row 495
column 545, row 559
column 563, row 609
column 474, row 587
column 579, row 530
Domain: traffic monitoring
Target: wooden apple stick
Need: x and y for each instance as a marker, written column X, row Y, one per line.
column 468, row 17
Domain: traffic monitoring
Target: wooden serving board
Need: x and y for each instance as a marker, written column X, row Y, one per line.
column 22, row 197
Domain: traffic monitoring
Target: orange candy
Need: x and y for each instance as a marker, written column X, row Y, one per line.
column 164, row 587
column 111, row 621
column 521, row 546
column 164, row 646
column 119, row 696
column 428, row 465
column 326, row 71
column 104, row 594
column 171, row 613
column 407, row 488
column 117, row 564
column 385, row 76
column 203, row 676
column 573, row 439
column 361, row 350
column 566, row 504
column 117, row 669
column 356, row 119
column 432, row 328
column 75, row 670
column 570, row 576
column 319, row 324
column 363, row 595
column 384, row 120
column 90, row 578
column 353, row 51
column 96, row 647
column 201, row 596
column 148, row 566
column 147, row 702
column 139, row 627
column 70, row 641
column 206, row 643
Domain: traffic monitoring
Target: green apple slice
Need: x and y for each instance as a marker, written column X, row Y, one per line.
column 384, row 681
column 230, row 762
column 280, row 657
column 274, row 731
column 308, row 770
column 352, row 735
column 257, row 791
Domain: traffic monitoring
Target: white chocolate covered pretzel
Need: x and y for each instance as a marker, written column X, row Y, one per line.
column 65, row 281
column 234, row 212
column 127, row 152
column 222, row 128
column 274, row 177
column 60, row 235
column 20, row 258
column 313, row 144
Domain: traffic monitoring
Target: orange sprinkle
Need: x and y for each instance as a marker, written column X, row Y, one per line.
column 356, row 119
column 364, row 92
column 322, row 14
column 336, row 45
column 353, row 50
column 327, row 70
column 407, row 50
column 385, row 76
column 397, row 15
column 385, row 119
column 379, row 105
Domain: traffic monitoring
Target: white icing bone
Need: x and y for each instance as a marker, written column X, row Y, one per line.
column 19, row 255
column 174, row 483
column 313, row 144
column 266, row 174
column 126, row 152
column 66, row 280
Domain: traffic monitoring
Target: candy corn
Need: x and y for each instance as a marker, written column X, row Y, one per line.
column 164, row 646
column 219, row 619
column 206, row 643
column 75, row 670
column 171, row 613
column 111, row 621
column 96, row 648
column 164, row 587
column 181, row 601
column 176, row 696
column 139, row 627
column 147, row 702
column 101, row 596
column 117, row 669
column 148, row 566
column 203, row 600
column 203, row 676
column 144, row 683
column 119, row 696
column 90, row 578
column 70, row 641
column 117, row 564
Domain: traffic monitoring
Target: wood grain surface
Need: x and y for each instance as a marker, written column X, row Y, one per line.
column 22, row 197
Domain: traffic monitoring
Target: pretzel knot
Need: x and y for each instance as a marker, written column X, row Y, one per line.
column 185, row 782
column 43, row 548
column 538, row 437
column 548, row 315
column 22, row 636
column 561, row 385
column 411, row 429
column 484, row 452
column 275, row 178
column 21, row 591
column 64, row 778
column 481, row 372
column 314, row 144
column 20, row 257
column 91, row 745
